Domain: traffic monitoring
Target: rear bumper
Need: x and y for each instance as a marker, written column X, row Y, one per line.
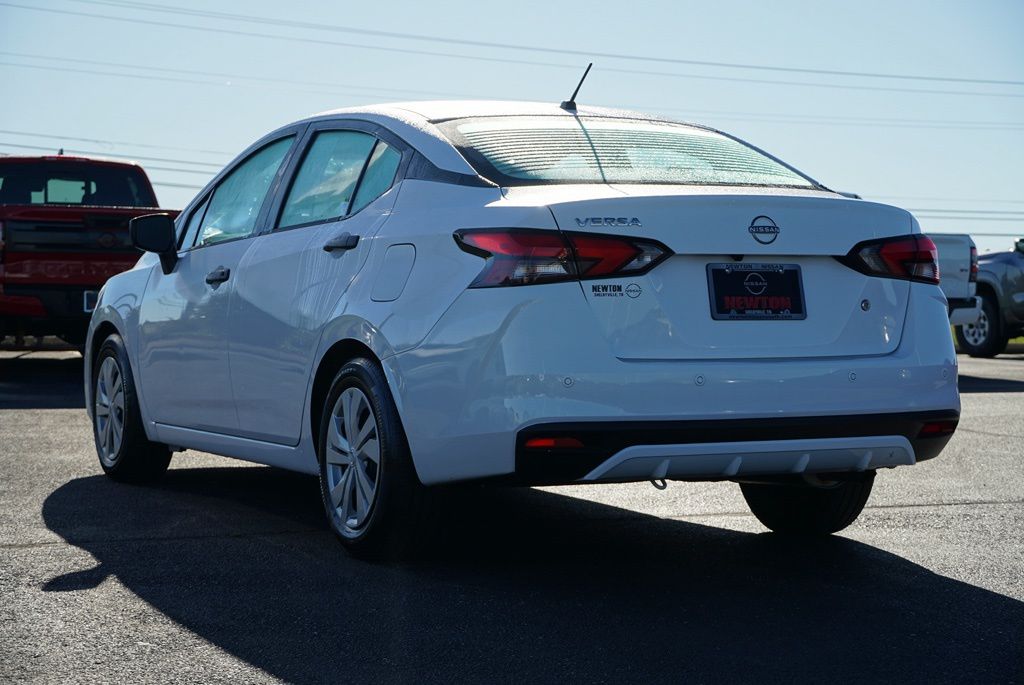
column 729, row 448
column 46, row 310
column 32, row 305
column 499, row 363
column 963, row 311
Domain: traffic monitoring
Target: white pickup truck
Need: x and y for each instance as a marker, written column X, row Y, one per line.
column 958, row 273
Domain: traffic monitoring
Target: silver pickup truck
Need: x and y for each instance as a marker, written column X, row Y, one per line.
column 958, row 273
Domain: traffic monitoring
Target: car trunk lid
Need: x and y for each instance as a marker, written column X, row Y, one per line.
column 745, row 244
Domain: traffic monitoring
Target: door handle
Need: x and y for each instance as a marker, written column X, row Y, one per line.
column 344, row 241
column 218, row 275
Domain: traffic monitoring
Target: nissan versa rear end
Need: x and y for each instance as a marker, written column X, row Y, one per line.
column 527, row 294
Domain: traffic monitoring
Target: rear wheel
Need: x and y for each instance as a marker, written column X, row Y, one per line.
column 985, row 337
column 808, row 509
column 125, row 453
column 374, row 500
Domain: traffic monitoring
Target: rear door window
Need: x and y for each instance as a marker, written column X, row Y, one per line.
column 326, row 180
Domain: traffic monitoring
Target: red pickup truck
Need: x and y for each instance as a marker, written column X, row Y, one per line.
column 63, row 233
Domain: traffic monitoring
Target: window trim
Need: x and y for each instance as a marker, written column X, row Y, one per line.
column 202, row 205
column 381, row 134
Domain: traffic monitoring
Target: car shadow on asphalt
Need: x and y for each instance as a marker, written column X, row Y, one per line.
column 982, row 384
column 524, row 585
column 33, row 382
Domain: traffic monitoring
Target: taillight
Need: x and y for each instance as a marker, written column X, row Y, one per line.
column 518, row 256
column 908, row 257
column 973, row 278
column 553, row 443
column 936, row 429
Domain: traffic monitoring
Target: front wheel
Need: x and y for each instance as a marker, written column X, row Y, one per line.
column 984, row 337
column 374, row 500
column 808, row 509
column 125, row 453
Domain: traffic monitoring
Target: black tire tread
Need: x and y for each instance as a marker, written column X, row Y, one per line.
column 402, row 515
column 803, row 509
column 140, row 460
column 997, row 339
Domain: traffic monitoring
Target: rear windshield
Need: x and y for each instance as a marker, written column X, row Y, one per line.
column 556, row 149
column 55, row 183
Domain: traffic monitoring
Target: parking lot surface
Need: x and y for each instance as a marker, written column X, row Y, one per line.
column 225, row 571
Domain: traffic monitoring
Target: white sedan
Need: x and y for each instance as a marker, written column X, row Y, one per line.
column 408, row 295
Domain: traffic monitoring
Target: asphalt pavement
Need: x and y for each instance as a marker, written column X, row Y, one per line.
column 225, row 570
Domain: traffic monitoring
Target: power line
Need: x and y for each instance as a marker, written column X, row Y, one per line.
column 500, row 60
column 526, row 48
column 968, row 211
column 144, row 77
column 770, row 118
column 187, row 186
column 119, row 157
column 782, row 118
column 1011, row 236
column 945, row 198
column 114, row 142
column 242, row 77
column 111, row 154
column 150, row 167
column 1019, row 219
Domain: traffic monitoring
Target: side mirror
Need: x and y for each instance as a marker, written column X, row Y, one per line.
column 155, row 233
column 1019, row 246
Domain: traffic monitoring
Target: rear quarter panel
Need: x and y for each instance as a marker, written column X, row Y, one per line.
column 426, row 215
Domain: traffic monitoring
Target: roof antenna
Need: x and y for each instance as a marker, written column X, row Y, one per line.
column 60, row 152
column 570, row 104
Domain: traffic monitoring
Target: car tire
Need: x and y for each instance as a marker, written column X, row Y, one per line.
column 124, row 451
column 986, row 337
column 808, row 509
column 374, row 501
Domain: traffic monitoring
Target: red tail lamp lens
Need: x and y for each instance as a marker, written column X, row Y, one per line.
column 553, row 443
column 934, row 429
column 526, row 256
column 910, row 257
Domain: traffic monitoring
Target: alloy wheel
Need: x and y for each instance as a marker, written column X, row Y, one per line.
column 977, row 333
column 109, row 410
column 352, row 459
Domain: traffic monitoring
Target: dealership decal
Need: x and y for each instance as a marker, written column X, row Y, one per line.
column 606, row 290
column 632, row 290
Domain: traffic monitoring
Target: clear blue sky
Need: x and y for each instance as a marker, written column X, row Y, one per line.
column 196, row 98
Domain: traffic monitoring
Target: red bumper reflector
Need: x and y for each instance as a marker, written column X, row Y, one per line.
column 552, row 443
column 934, row 429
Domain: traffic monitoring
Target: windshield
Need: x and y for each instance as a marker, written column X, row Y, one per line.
column 73, row 183
column 523, row 150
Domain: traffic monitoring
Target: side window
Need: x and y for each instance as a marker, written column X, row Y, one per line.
column 194, row 221
column 379, row 175
column 327, row 178
column 235, row 205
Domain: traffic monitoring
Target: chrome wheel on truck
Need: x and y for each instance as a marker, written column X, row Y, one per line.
column 976, row 333
column 985, row 337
